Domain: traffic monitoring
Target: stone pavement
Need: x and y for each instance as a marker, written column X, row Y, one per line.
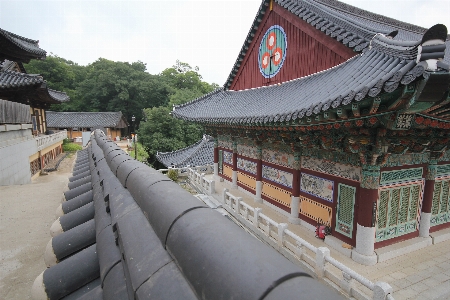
column 26, row 214
column 421, row 274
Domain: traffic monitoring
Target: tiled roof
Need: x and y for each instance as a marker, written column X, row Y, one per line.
column 8, row 65
column 84, row 119
column 126, row 231
column 198, row 154
column 12, row 79
column 58, row 96
column 23, row 49
column 388, row 64
column 349, row 25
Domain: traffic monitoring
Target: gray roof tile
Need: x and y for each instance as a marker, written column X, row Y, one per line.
column 386, row 65
column 12, row 79
column 198, row 154
column 31, row 47
column 350, row 25
column 84, row 119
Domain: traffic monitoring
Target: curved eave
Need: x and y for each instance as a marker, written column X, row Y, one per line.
column 13, row 80
column 181, row 158
column 58, row 96
column 18, row 48
column 363, row 76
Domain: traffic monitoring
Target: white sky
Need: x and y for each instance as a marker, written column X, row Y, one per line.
column 208, row 34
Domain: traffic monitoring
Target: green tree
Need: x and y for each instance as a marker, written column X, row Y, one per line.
column 183, row 76
column 121, row 86
column 62, row 75
column 160, row 131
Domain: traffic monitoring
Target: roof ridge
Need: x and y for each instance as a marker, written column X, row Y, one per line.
column 338, row 5
column 182, row 149
column 196, row 150
column 83, row 112
column 20, row 37
column 219, row 89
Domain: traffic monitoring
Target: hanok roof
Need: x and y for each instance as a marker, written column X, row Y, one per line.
column 198, row 154
column 12, row 79
column 382, row 68
column 8, row 65
column 127, row 231
column 28, row 89
column 85, row 119
column 17, row 48
column 352, row 26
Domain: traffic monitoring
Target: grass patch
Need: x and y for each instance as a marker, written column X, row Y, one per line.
column 71, row 147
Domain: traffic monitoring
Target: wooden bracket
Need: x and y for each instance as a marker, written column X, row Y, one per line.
column 375, row 104
column 355, row 110
column 342, row 113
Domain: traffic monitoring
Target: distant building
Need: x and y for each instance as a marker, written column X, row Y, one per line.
column 113, row 124
column 25, row 150
column 339, row 116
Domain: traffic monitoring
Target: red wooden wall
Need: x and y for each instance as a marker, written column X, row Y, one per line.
column 308, row 51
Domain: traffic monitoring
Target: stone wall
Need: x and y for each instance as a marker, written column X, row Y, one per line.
column 16, row 146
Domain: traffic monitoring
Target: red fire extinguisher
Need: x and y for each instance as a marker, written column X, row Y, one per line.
column 322, row 231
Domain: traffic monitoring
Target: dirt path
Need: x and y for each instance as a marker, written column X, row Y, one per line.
column 26, row 214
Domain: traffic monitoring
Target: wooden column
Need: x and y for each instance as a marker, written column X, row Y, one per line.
column 295, row 193
column 427, row 202
column 366, row 211
column 216, row 158
column 258, row 173
column 234, row 178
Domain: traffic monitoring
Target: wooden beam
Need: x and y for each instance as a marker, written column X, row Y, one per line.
column 342, row 113
column 375, row 104
column 355, row 110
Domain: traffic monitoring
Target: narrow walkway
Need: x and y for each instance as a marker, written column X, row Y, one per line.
column 422, row 274
column 26, row 214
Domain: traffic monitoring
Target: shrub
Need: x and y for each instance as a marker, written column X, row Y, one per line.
column 173, row 174
column 66, row 141
column 71, row 147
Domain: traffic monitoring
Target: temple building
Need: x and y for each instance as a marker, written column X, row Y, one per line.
column 338, row 116
column 113, row 124
column 26, row 146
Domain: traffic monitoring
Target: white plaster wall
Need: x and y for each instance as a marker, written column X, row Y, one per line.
column 15, row 149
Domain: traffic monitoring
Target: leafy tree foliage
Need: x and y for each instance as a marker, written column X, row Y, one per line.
column 121, row 86
column 61, row 74
column 160, row 131
column 106, row 85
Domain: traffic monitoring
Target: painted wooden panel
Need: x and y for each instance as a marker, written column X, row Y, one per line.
column 278, row 157
column 247, row 151
column 308, row 51
column 332, row 168
column 278, row 176
column 345, row 210
column 247, row 180
column 398, row 210
column 228, row 171
column 440, row 210
column 246, row 165
column 315, row 211
column 225, row 144
column 316, row 186
column 228, row 157
column 276, row 194
column 221, row 161
column 387, row 177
